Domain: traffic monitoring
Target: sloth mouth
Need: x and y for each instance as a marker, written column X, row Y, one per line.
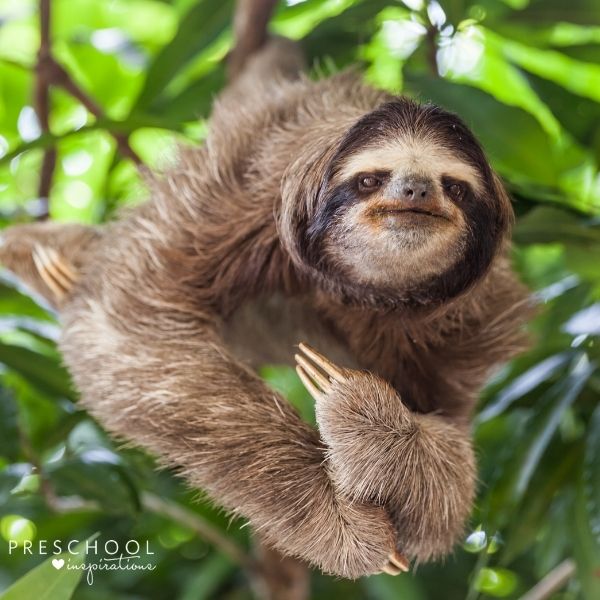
column 413, row 210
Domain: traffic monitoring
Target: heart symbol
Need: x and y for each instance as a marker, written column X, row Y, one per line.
column 58, row 564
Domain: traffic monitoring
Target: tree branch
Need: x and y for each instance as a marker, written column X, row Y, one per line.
column 554, row 581
column 202, row 527
column 60, row 77
column 42, row 101
column 50, row 73
column 250, row 23
column 150, row 502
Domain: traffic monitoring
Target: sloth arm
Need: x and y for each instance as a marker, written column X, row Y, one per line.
column 403, row 440
column 152, row 369
column 420, row 467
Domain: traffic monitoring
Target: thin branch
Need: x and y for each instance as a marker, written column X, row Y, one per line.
column 200, row 526
column 42, row 101
column 50, row 73
column 554, row 581
column 250, row 22
column 61, row 77
column 150, row 502
column 47, row 140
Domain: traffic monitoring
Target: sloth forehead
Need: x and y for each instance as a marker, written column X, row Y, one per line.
column 416, row 156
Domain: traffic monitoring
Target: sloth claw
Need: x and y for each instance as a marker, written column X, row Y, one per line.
column 318, row 374
column 396, row 564
column 398, row 561
column 334, row 372
column 59, row 275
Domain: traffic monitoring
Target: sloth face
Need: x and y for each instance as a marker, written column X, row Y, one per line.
column 409, row 210
column 398, row 216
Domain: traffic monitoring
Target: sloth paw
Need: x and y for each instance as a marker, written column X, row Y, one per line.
column 324, row 380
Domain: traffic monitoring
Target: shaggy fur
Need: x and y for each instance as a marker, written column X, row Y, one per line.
column 251, row 220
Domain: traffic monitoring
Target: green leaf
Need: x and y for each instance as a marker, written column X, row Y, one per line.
column 545, row 225
column 383, row 587
column 496, row 582
column 476, row 542
column 573, row 75
column 97, row 474
column 17, row 529
column 44, row 372
column 201, row 26
column 586, row 547
column 79, row 177
column 52, row 580
column 13, row 302
column 532, row 440
column 585, row 322
column 397, row 38
column 149, row 22
column 212, row 573
column 522, row 385
column 560, row 34
column 299, row 21
column 591, row 475
column 335, row 39
column 472, row 57
column 28, row 485
column 544, row 425
column 193, row 102
column 523, row 532
column 9, row 432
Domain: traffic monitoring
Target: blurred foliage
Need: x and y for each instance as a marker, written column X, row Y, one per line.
column 524, row 74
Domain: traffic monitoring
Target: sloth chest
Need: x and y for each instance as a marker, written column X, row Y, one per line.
column 268, row 331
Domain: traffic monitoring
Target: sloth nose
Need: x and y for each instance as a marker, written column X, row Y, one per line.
column 414, row 189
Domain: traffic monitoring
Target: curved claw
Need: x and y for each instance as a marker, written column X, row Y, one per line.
column 323, row 382
column 59, row 275
column 323, row 363
column 313, row 390
column 317, row 373
column 397, row 563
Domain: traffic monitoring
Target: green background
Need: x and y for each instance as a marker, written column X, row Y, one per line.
column 525, row 75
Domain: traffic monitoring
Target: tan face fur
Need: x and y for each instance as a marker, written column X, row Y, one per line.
column 389, row 236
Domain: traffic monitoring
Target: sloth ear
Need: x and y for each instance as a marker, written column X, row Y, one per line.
column 47, row 256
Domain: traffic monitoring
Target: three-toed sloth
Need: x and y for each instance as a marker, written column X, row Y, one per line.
column 366, row 225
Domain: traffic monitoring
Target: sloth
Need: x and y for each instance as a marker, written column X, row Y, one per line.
column 359, row 236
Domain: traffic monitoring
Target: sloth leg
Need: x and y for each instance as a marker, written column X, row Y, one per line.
column 420, row 467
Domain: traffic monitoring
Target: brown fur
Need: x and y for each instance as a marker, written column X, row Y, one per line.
column 230, row 226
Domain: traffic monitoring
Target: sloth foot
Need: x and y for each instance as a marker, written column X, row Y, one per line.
column 319, row 375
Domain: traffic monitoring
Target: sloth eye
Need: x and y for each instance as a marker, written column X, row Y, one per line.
column 368, row 183
column 456, row 191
